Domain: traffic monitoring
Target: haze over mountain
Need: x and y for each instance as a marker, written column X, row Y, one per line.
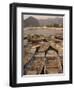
column 32, row 21
column 51, row 21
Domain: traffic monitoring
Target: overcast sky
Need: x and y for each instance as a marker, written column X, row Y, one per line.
column 41, row 16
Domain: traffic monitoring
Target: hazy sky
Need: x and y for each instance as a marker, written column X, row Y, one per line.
column 41, row 16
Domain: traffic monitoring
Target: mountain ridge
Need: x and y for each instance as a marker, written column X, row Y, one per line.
column 32, row 21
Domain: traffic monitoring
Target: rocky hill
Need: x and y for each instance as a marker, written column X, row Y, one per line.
column 30, row 22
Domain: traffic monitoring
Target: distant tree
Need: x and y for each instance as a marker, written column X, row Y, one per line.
column 55, row 25
column 61, row 25
column 49, row 25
